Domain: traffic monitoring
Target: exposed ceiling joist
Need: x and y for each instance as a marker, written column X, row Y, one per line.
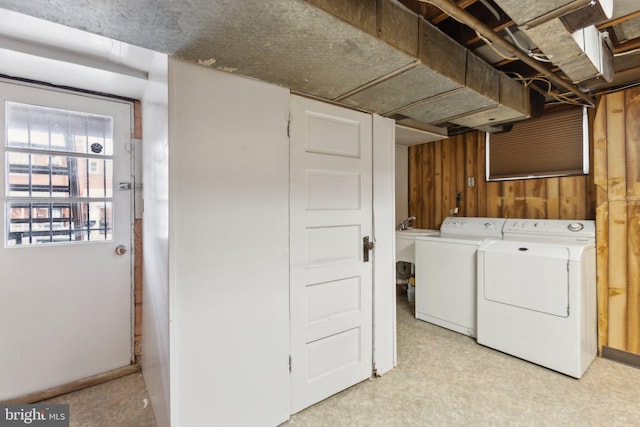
column 466, row 18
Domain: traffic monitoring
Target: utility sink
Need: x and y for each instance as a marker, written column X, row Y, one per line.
column 406, row 242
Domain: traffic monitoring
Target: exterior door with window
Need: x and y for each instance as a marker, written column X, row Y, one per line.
column 65, row 258
column 331, row 274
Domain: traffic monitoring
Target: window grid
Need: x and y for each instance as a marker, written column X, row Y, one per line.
column 35, row 209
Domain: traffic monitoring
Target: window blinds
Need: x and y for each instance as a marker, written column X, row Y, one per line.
column 557, row 144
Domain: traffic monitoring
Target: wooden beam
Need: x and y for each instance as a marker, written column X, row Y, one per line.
column 617, row 21
column 73, row 386
column 627, row 46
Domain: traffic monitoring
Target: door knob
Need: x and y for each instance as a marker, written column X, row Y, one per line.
column 367, row 246
column 121, row 249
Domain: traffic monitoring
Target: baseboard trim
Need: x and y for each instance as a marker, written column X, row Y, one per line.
column 73, row 386
column 621, row 356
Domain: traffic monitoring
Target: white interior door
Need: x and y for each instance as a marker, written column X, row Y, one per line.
column 65, row 310
column 331, row 282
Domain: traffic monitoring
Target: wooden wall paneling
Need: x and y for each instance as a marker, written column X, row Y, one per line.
column 617, row 310
column 428, row 187
column 568, row 197
column 600, row 180
column 513, row 199
column 507, row 192
column 481, row 183
column 137, row 119
column 610, row 194
column 470, row 171
column 600, row 161
column 459, row 170
column 415, row 183
column 437, row 175
column 632, row 145
column 494, row 199
column 633, row 276
column 138, row 260
column 421, row 200
column 535, row 198
column 456, row 167
column 616, row 173
column 591, row 189
column 448, row 177
column 137, row 292
column 602, row 273
column 552, row 194
column 582, row 199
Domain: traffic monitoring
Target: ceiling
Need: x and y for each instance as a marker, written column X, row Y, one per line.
column 623, row 28
column 404, row 59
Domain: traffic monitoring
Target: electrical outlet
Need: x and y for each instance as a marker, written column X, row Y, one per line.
column 471, row 181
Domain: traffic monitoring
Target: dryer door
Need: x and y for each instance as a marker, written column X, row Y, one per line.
column 529, row 275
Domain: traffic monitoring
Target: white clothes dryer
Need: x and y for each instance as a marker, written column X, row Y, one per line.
column 537, row 293
column 445, row 272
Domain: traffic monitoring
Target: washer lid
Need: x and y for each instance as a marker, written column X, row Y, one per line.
column 529, row 275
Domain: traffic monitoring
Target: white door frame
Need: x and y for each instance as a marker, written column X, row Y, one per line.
column 384, row 223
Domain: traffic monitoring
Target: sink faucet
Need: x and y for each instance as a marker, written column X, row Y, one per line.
column 407, row 223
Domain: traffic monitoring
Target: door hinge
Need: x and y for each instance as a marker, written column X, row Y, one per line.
column 290, row 361
column 289, row 128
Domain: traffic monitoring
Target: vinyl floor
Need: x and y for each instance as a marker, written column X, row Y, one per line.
column 122, row 402
column 442, row 379
column 446, row 379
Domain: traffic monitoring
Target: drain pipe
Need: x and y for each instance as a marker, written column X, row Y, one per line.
column 475, row 24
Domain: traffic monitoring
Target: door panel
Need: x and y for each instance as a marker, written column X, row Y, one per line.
column 65, row 310
column 331, row 285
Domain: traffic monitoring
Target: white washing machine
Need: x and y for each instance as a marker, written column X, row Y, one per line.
column 445, row 271
column 537, row 293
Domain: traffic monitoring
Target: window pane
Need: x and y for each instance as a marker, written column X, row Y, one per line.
column 56, row 198
column 42, row 175
column 30, row 126
column 52, row 222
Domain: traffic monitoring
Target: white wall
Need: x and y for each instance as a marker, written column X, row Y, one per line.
column 229, row 261
column 384, row 353
column 215, row 318
column 155, row 313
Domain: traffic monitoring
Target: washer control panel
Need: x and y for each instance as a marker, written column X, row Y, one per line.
column 472, row 227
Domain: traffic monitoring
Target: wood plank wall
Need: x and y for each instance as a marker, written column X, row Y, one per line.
column 137, row 263
column 610, row 195
column 441, row 169
column 617, row 179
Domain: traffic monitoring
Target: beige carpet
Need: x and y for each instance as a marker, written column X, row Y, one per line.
column 446, row 379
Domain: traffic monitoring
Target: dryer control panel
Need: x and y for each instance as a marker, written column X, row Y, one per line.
column 550, row 230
